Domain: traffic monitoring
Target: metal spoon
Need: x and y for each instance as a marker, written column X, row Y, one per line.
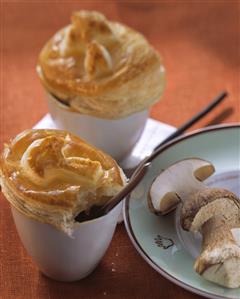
column 98, row 211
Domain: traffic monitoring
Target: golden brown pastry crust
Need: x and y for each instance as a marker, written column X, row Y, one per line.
column 101, row 68
column 52, row 175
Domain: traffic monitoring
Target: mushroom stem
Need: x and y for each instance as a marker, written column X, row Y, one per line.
column 219, row 261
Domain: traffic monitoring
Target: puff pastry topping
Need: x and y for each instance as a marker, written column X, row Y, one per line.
column 101, row 68
column 52, row 175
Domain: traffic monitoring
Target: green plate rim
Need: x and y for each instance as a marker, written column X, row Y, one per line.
column 129, row 228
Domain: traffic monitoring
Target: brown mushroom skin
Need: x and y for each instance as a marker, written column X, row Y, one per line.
column 215, row 232
column 196, row 201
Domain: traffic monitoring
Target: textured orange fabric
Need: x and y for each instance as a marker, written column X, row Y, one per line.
column 199, row 42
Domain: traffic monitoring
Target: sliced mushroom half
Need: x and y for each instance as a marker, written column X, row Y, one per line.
column 176, row 183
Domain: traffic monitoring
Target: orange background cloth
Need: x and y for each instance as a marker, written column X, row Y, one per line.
column 200, row 46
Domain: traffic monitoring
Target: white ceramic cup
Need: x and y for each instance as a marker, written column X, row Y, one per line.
column 62, row 257
column 115, row 137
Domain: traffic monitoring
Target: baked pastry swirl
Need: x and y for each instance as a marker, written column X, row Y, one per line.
column 101, row 68
column 52, row 175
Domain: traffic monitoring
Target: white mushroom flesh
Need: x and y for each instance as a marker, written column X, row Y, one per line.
column 177, row 182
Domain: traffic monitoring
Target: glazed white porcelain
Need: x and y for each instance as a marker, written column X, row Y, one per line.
column 160, row 240
column 115, row 137
column 62, row 257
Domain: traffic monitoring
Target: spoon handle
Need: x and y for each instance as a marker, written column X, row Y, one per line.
column 194, row 119
column 127, row 190
column 143, row 167
column 141, row 170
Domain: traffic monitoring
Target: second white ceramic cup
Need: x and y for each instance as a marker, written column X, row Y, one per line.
column 115, row 137
column 62, row 257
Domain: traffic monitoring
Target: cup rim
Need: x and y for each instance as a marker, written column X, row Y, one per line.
column 59, row 102
column 65, row 107
column 76, row 224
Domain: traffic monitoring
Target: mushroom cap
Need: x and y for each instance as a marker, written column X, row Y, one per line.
column 201, row 206
column 176, row 182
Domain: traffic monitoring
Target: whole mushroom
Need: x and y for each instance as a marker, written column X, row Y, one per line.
column 214, row 212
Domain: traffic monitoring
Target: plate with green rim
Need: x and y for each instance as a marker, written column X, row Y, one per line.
column 159, row 239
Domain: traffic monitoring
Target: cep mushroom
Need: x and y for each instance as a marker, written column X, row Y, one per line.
column 215, row 213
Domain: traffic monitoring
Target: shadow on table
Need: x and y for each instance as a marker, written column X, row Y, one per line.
column 220, row 118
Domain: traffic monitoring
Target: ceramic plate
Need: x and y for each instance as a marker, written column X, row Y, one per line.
column 159, row 239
